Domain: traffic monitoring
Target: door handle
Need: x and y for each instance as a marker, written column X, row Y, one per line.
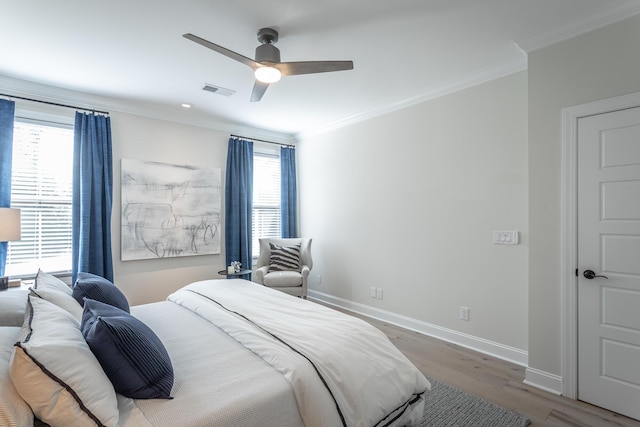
column 589, row 274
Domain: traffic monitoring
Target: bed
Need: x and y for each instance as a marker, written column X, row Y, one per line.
column 240, row 354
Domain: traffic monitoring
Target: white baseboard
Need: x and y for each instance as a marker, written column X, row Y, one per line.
column 543, row 380
column 501, row 351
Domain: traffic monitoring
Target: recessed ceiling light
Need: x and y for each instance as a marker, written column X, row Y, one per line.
column 185, row 105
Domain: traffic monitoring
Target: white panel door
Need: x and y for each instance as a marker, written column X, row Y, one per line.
column 609, row 245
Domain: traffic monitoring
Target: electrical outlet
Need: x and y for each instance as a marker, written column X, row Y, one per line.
column 379, row 293
column 374, row 293
column 318, row 279
column 464, row 313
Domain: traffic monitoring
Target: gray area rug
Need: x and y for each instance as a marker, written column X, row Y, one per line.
column 446, row 406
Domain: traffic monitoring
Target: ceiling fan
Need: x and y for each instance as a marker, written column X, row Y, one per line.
column 267, row 66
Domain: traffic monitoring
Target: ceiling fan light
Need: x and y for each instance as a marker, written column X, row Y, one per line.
column 268, row 74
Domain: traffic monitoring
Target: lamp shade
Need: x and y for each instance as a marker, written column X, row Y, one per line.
column 9, row 224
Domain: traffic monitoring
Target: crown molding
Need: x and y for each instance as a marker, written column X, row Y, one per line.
column 465, row 82
column 607, row 15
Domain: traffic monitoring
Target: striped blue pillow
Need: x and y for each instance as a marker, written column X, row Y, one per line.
column 98, row 288
column 131, row 354
column 284, row 258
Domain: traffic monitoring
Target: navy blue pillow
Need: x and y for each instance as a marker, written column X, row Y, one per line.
column 131, row 354
column 100, row 289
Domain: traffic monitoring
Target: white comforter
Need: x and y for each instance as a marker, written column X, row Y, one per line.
column 342, row 370
column 217, row 381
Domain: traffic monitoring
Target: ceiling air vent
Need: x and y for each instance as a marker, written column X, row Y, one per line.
column 218, row 90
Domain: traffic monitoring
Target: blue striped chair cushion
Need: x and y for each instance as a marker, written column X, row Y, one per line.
column 284, row 258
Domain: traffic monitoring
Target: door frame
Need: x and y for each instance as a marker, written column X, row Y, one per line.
column 569, row 232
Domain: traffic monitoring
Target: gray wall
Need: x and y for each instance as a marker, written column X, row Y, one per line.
column 407, row 202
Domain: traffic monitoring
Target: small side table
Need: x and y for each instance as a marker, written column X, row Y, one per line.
column 239, row 274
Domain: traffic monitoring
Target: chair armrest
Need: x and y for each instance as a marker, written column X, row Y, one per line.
column 305, row 271
column 305, row 274
column 258, row 276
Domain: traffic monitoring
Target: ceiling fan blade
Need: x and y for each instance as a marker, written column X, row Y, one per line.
column 226, row 52
column 259, row 89
column 310, row 67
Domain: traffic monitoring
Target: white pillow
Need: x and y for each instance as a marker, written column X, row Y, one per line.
column 56, row 291
column 55, row 372
column 60, row 299
column 48, row 280
column 14, row 412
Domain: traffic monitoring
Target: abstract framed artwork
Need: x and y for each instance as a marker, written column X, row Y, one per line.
column 169, row 210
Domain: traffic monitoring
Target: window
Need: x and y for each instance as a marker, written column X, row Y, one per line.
column 266, row 198
column 41, row 187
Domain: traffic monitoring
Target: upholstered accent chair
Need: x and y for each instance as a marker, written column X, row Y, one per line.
column 277, row 267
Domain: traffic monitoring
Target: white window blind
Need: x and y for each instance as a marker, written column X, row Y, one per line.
column 41, row 187
column 266, row 199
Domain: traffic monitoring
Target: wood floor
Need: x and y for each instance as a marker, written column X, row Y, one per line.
column 495, row 380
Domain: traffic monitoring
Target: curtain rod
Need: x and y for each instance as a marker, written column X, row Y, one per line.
column 262, row 140
column 55, row 103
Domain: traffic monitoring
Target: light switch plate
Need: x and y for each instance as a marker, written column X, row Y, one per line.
column 505, row 238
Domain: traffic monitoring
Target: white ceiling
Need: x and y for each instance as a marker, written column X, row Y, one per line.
column 404, row 51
